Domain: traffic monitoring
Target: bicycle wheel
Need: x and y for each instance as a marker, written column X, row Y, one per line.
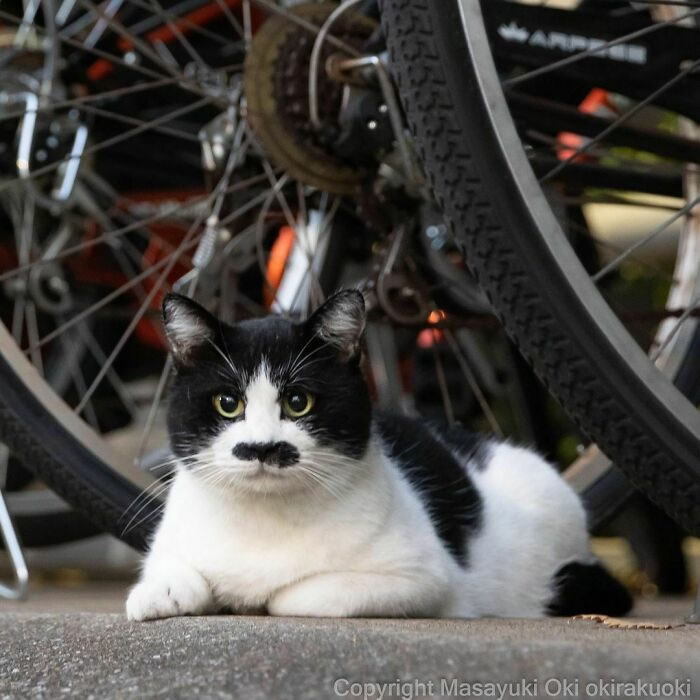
column 135, row 164
column 479, row 173
column 195, row 85
column 156, row 146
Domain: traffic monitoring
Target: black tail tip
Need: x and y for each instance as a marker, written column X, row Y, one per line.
column 582, row 589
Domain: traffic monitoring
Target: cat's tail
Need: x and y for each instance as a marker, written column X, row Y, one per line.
column 581, row 589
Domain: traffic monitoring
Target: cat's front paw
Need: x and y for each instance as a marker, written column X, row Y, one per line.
column 186, row 593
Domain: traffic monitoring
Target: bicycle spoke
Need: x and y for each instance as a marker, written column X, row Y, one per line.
column 158, row 9
column 125, row 265
column 85, row 313
column 622, row 164
column 473, row 384
column 244, row 208
column 173, row 258
column 155, row 404
column 78, row 25
column 309, row 26
column 18, row 318
column 92, row 209
column 110, row 9
column 442, row 383
column 112, row 58
column 135, row 41
column 276, row 188
column 295, row 223
column 623, row 118
column 172, row 13
column 109, row 236
column 247, row 23
column 687, row 313
column 231, row 18
column 600, row 198
column 78, row 379
column 25, row 26
column 613, row 264
column 270, row 196
column 134, row 121
column 671, row 3
column 316, row 296
column 86, row 99
column 114, row 379
column 145, row 304
column 32, row 326
column 301, row 201
column 615, row 249
column 114, row 140
column 273, row 194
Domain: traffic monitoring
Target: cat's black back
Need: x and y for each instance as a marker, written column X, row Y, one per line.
column 423, row 453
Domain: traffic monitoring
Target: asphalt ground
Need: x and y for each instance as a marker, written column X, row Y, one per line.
column 58, row 644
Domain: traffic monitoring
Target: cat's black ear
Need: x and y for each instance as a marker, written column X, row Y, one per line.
column 340, row 321
column 188, row 326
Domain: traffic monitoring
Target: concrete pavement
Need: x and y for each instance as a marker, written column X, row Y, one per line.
column 98, row 655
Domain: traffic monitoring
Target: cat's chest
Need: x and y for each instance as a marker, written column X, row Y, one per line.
column 248, row 556
column 253, row 567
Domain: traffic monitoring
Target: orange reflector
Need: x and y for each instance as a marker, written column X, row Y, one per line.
column 277, row 261
column 569, row 143
column 436, row 316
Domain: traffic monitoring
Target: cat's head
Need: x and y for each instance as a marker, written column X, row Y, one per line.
column 269, row 405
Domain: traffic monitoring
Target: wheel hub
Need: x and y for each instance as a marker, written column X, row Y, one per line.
column 276, row 88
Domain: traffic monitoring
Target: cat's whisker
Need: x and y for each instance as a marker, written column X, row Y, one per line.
column 213, row 476
column 141, row 508
column 330, row 454
column 302, row 362
column 147, row 493
column 158, row 511
column 293, row 362
column 163, row 480
column 305, row 362
column 328, row 479
column 206, row 468
column 318, row 480
column 226, row 359
column 327, row 475
column 228, row 353
column 335, row 460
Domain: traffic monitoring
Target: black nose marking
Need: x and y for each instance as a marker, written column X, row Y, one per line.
column 280, row 453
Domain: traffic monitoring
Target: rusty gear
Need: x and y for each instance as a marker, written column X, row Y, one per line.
column 276, row 88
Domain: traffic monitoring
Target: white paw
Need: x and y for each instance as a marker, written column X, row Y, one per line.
column 186, row 593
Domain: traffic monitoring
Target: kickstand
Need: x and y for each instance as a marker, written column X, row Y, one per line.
column 694, row 618
column 12, row 544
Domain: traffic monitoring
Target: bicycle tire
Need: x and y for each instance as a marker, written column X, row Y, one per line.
column 652, row 436
column 52, row 529
column 30, row 429
column 60, row 450
column 89, row 483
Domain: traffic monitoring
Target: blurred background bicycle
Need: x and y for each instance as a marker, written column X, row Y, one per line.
column 257, row 155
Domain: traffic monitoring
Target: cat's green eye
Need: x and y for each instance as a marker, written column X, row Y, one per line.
column 228, row 406
column 296, row 404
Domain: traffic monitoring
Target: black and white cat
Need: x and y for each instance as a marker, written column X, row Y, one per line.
column 292, row 497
